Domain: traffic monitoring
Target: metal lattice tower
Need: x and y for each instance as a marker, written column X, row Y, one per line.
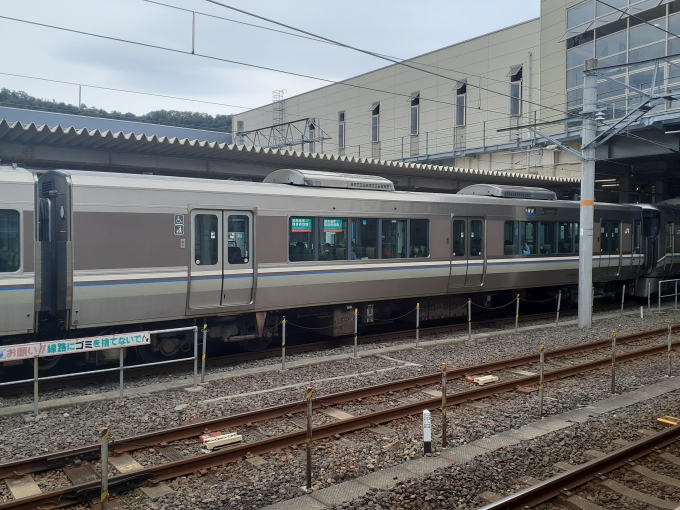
column 278, row 112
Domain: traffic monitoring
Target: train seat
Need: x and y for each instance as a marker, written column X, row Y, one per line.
column 341, row 253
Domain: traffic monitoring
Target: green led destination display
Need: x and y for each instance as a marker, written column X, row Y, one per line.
column 301, row 224
column 332, row 225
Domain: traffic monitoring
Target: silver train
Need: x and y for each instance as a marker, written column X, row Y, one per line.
column 82, row 253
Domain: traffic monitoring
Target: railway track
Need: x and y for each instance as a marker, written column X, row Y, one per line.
column 132, row 372
column 179, row 466
column 559, row 488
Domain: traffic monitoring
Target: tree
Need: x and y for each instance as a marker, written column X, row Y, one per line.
column 196, row 120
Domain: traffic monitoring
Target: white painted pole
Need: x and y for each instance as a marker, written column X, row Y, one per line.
column 356, row 340
column 283, row 343
column 121, row 364
column 204, row 355
column 559, row 303
column 427, row 431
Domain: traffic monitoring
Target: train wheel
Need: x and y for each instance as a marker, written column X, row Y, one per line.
column 256, row 344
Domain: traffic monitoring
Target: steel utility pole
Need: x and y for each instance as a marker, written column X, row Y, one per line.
column 585, row 255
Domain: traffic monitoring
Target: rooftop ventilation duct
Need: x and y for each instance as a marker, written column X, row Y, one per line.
column 507, row 191
column 318, row 179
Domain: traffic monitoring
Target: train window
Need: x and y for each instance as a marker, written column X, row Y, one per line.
column 366, row 239
column 636, row 237
column 419, row 238
column 238, row 240
column 651, row 223
column 300, row 239
column 10, row 241
column 394, row 239
column 547, row 237
column 206, row 240
column 529, row 238
column 333, row 242
column 458, row 238
column 476, row 246
column 565, row 237
column 521, row 238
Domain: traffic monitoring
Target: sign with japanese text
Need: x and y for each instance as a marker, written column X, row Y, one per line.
column 73, row 346
column 332, row 225
column 301, row 224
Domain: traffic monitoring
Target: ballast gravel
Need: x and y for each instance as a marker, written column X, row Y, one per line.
column 280, row 475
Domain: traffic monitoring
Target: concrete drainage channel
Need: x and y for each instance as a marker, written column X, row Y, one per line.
column 136, row 478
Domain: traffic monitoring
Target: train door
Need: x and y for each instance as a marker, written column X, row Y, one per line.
column 237, row 282
column 206, row 261
column 467, row 253
column 670, row 246
column 614, row 230
column 636, row 251
column 610, row 248
column 604, row 248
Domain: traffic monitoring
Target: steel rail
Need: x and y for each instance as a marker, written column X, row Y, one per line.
column 580, row 475
column 83, row 492
column 60, row 459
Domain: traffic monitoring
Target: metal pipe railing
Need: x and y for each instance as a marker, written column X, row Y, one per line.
column 121, row 367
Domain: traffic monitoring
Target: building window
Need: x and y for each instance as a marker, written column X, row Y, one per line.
column 515, row 75
column 341, row 130
column 375, row 122
column 414, row 117
column 461, row 102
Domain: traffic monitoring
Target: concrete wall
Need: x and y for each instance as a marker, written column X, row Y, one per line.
column 489, row 56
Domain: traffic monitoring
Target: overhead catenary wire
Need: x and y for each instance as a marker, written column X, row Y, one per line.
column 315, row 39
column 377, row 55
column 246, row 64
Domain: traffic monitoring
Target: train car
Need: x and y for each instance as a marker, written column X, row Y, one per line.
column 17, row 267
column 123, row 252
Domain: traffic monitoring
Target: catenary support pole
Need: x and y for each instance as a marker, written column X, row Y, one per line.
column 540, row 382
column 204, row 355
column 559, row 303
column 444, row 426
column 517, row 314
column 309, row 438
column 588, row 134
column 104, row 437
column 35, row 386
column 623, row 298
column 417, row 324
column 356, row 320
column 614, row 362
column 283, row 343
column 121, row 369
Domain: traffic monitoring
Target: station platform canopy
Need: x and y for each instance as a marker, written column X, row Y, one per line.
column 44, row 146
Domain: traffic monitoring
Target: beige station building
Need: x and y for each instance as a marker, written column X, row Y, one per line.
column 468, row 105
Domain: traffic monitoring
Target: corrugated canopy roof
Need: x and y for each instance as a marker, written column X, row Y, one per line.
column 131, row 143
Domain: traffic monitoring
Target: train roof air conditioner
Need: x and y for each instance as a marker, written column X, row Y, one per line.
column 318, row 179
column 507, row 191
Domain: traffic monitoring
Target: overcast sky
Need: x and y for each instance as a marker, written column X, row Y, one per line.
column 393, row 27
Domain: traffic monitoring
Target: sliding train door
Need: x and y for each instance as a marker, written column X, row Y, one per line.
column 237, row 277
column 467, row 253
column 221, row 270
column 205, row 287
